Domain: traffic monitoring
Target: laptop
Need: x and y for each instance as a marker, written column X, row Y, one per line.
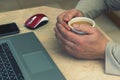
column 22, row 57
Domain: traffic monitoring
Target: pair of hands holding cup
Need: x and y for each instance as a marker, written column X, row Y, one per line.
column 86, row 46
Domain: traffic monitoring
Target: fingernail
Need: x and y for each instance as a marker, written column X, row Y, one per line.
column 66, row 18
column 76, row 25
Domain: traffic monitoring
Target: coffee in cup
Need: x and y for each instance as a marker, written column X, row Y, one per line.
column 77, row 21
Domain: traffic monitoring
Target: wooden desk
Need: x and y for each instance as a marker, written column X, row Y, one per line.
column 71, row 68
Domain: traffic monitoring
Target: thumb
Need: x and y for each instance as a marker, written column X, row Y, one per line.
column 71, row 14
column 84, row 28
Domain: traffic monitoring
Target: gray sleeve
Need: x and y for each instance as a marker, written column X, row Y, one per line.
column 91, row 8
column 112, row 58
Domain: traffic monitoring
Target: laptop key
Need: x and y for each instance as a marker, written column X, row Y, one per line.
column 0, row 76
column 10, row 69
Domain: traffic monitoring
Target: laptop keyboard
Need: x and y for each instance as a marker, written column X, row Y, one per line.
column 9, row 69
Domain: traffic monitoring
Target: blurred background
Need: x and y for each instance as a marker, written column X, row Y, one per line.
column 8, row 5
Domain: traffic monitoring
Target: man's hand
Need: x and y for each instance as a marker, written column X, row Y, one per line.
column 89, row 46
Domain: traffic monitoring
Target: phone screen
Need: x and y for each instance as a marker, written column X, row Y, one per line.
column 8, row 29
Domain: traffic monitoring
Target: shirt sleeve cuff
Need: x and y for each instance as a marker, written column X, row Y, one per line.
column 112, row 63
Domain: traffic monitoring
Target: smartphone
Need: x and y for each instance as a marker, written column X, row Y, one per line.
column 8, row 29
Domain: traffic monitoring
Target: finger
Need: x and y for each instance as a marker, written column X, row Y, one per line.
column 61, row 39
column 68, row 15
column 60, row 17
column 69, row 35
column 69, row 50
column 84, row 28
column 60, row 20
column 71, row 14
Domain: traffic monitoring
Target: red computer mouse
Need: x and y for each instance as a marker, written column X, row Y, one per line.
column 36, row 21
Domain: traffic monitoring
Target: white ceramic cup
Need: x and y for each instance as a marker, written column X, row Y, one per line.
column 80, row 19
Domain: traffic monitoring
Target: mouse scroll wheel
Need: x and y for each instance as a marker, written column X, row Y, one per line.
column 32, row 19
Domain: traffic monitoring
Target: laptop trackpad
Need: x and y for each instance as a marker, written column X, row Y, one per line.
column 37, row 62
